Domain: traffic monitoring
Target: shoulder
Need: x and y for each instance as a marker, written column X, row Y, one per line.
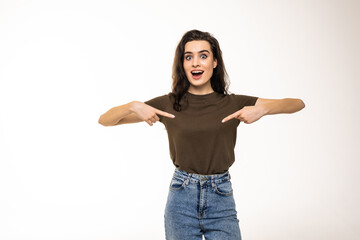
column 242, row 99
column 160, row 97
column 159, row 101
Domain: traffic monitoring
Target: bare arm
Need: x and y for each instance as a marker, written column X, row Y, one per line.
column 276, row 106
column 116, row 114
column 250, row 114
column 131, row 112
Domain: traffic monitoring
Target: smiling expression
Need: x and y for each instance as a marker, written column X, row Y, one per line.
column 199, row 64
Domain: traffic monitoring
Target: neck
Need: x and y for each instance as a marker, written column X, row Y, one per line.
column 200, row 91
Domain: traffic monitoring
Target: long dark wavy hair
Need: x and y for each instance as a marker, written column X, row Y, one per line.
column 219, row 80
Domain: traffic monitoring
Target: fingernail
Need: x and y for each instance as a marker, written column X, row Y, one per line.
column 173, row 116
column 222, row 120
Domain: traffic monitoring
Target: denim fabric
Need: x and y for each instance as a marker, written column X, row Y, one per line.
column 200, row 205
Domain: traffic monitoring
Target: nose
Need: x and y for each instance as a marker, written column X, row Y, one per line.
column 196, row 62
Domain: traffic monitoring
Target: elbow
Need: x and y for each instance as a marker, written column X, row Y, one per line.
column 301, row 104
column 103, row 122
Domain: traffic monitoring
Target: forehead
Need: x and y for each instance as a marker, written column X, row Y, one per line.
column 197, row 46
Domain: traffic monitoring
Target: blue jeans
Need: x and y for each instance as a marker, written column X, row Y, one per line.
column 200, row 205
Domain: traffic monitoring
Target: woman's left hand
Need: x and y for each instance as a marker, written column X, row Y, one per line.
column 247, row 114
column 263, row 106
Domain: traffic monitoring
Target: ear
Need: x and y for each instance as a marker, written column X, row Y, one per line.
column 215, row 63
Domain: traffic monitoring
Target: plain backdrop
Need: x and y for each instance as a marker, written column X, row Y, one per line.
column 64, row 63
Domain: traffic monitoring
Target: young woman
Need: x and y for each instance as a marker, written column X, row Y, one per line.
column 201, row 119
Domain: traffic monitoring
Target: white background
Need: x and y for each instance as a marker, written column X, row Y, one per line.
column 64, row 63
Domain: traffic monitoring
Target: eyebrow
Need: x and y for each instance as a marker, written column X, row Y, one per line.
column 199, row 52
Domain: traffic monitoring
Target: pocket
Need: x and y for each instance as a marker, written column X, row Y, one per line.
column 224, row 188
column 177, row 183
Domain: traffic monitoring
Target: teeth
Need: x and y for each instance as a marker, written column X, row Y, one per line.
column 197, row 71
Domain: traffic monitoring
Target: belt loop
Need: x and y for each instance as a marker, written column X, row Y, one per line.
column 188, row 179
column 212, row 181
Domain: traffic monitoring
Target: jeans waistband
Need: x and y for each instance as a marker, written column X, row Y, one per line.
column 217, row 178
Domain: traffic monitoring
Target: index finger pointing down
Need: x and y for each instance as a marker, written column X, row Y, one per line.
column 228, row 118
column 165, row 114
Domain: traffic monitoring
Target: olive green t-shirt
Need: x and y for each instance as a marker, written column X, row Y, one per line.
column 198, row 141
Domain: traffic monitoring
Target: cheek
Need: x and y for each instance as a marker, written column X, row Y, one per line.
column 209, row 68
column 210, row 72
column 208, row 65
column 186, row 67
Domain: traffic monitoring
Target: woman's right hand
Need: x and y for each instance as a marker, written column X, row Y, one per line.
column 147, row 113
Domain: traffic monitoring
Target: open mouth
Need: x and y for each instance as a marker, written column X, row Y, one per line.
column 197, row 74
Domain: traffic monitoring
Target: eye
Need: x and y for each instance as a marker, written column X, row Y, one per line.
column 188, row 57
column 203, row 56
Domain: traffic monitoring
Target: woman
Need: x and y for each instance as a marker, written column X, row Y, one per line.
column 201, row 119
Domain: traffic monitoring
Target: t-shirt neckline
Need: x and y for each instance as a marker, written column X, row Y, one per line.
column 201, row 95
column 208, row 98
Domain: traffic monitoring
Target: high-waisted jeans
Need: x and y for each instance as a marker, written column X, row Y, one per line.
column 200, row 205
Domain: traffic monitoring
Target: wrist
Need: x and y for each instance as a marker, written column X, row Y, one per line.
column 264, row 109
column 132, row 106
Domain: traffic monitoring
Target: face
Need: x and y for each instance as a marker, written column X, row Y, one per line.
column 199, row 63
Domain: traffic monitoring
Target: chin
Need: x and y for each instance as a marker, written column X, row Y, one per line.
column 197, row 84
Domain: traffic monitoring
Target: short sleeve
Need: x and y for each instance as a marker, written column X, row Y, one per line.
column 244, row 100
column 157, row 103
